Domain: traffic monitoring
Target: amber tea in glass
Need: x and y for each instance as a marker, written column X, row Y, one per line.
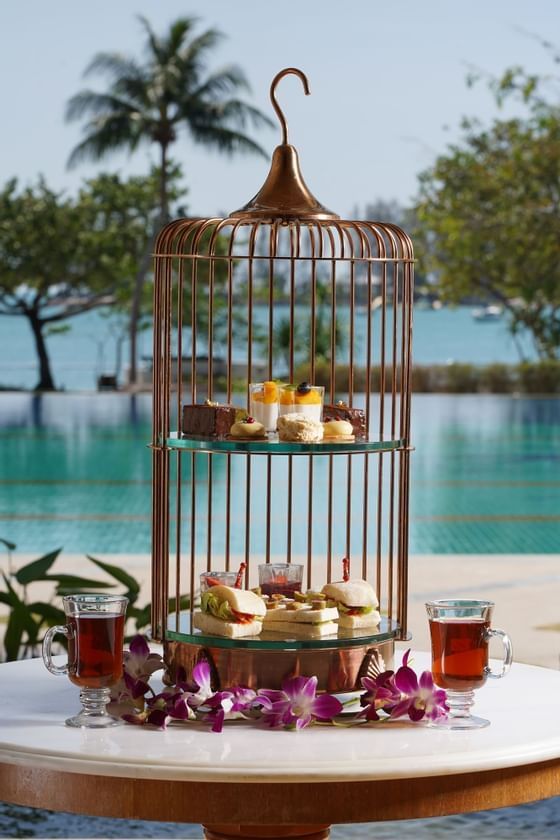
column 95, row 633
column 460, row 631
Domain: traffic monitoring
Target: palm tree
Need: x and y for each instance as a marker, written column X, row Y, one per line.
column 152, row 100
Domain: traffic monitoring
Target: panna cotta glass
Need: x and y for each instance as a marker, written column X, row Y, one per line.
column 264, row 405
column 302, row 399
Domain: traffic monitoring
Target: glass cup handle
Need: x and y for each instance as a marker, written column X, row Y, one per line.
column 508, row 653
column 64, row 630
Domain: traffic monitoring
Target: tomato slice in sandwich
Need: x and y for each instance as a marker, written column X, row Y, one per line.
column 243, row 618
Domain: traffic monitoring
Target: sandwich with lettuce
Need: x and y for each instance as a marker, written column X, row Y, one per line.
column 230, row 612
column 356, row 602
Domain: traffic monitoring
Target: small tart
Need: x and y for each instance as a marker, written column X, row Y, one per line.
column 242, row 430
column 299, row 428
column 338, row 430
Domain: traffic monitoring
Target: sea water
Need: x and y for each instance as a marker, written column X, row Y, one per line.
column 89, row 348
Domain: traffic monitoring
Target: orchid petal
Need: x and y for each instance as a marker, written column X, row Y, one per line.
column 271, row 694
column 400, row 709
column 157, row 717
column 218, row 721
column 294, row 687
column 139, row 646
column 302, row 722
column 201, row 675
column 326, row 707
column 406, row 680
column 426, row 680
column 415, row 713
column 405, row 658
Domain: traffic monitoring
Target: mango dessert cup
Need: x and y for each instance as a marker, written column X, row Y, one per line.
column 302, row 399
column 263, row 403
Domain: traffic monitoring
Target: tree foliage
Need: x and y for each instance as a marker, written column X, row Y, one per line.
column 489, row 213
column 151, row 101
column 62, row 256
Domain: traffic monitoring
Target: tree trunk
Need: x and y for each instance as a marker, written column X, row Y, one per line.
column 46, row 382
column 143, row 270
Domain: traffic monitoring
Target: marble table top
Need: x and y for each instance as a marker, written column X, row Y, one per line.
column 523, row 709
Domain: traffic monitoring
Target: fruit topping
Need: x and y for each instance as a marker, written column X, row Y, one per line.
column 303, row 388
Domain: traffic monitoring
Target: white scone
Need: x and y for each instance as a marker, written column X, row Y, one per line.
column 231, row 630
column 300, row 630
column 356, row 622
column 298, row 428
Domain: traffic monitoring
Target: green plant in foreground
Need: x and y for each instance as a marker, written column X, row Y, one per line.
column 28, row 619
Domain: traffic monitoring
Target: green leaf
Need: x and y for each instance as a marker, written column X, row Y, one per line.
column 143, row 615
column 52, row 615
column 69, row 584
column 37, row 569
column 20, row 622
column 9, row 545
column 119, row 574
column 12, row 596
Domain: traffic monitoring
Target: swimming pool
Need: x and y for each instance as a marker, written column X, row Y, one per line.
column 75, row 472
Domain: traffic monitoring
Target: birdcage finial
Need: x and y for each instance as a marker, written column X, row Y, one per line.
column 293, row 71
column 284, row 194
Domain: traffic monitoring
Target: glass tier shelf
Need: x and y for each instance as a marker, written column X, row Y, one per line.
column 386, row 630
column 273, row 446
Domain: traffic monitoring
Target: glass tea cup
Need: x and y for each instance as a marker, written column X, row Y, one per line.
column 209, row 579
column 280, row 578
column 95, row 633
column 460, row 632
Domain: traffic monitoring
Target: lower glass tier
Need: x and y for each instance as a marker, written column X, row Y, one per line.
column 387, row 629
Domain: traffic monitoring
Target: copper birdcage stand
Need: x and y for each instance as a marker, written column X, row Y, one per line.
column 226, row 284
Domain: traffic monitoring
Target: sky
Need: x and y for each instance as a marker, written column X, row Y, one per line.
column 387, row 86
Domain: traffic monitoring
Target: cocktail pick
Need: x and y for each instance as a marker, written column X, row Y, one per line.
column 239, row 578
column 345, row 569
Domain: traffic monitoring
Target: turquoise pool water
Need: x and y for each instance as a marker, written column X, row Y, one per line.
column 75, row 472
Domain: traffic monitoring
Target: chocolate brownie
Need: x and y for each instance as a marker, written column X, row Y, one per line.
column 208, row 419
column 341, row 411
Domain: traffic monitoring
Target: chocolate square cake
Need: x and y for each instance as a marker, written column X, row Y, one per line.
column 355, row 416
column 208, row 419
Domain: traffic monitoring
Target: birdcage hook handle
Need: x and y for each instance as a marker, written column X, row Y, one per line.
column 286, row 72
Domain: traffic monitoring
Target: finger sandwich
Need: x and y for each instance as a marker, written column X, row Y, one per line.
column 356, row 602
column 302, row 618
column 233, row 613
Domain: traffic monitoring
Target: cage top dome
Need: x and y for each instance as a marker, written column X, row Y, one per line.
column 284, row 193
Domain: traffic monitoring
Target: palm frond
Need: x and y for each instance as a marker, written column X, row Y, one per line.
column 178, row 32
column 223, row 82
column 106, row 136
column 241, row 113
column 225, row 140
column 115, row 65
column 153, row 44
column 193, row 53
column 89, row 103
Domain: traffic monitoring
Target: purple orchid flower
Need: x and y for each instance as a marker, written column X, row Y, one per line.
column 381, row 693
column 402, row 693
column 139, row 662
column 296, row 705
column 419, row 697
